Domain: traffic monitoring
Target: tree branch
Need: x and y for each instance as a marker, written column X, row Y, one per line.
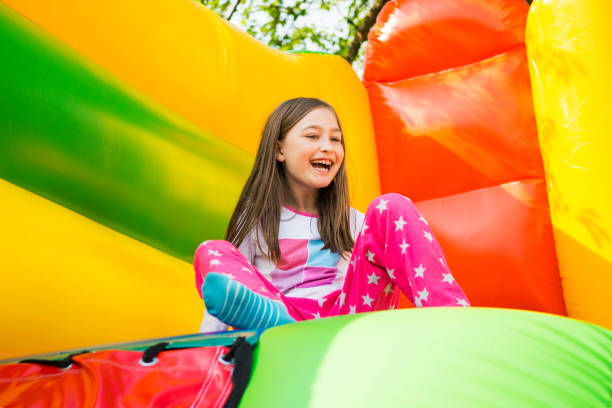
column 363, row 29
column 351, row 22
column 233, row 10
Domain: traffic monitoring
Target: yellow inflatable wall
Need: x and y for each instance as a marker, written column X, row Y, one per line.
column 568, row 44
column 71, row 282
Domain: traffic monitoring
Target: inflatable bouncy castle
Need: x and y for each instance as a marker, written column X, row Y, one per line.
column 128, row 129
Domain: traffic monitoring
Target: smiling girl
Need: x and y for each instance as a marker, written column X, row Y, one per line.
column 296, row 250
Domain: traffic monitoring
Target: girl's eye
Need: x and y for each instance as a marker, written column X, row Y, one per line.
column 335, row 139
column 312, row 136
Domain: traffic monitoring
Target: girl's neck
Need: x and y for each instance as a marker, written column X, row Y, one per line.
column 303, row 200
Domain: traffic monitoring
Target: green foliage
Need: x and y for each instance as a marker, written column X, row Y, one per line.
column 328, row 26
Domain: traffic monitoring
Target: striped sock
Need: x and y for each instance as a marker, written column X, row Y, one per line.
column 238, row 306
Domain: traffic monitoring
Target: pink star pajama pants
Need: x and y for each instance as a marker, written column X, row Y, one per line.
column 395, row 250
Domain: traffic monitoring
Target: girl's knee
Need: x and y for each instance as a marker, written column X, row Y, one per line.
column 212, row 248
column 396, row 199
column 393, row 203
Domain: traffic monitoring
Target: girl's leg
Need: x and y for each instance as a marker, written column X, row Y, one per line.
column 396, row 249
column 234, row 291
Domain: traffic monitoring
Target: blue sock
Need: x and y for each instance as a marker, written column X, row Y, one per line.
column 238, row 306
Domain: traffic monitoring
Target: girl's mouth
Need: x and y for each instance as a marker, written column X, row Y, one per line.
column 321, row 165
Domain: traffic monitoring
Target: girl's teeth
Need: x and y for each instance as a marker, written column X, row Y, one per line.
column 320, row 166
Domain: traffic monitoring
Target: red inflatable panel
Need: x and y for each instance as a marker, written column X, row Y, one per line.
column 452, row 108
column 416, row 37
column 475, row 125
column 178, row 378
column 498, row 243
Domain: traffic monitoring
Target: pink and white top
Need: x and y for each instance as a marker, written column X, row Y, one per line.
column 305, row 268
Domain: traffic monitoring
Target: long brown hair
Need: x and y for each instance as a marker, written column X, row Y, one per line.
column 264, row 192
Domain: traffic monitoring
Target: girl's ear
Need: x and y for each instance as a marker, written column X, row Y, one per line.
column 279, row 152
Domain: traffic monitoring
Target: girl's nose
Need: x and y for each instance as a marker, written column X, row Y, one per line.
column 325, row 144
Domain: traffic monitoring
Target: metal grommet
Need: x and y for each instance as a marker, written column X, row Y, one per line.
column 147, row 364
column 222, row 360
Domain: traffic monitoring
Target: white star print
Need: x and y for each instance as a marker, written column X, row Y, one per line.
column 214, row 262
column 461, row 302
column 424, row 294
column 442, row 261
column 244, row 268
column 391, row 272
column 370, row 256
column 418, row 272
column 213, row 252
column 404, row 245
column 399, row 224
column 388, row 289
column 352, row 309
column 382, row 205
column 417, row 302
column 353, row 263
column 367, row 300
column 342, row 297
column 428, row 236
column 321, row 301
column 423, row 219
column 448, row 278
column 230, row 276
column 373, row 278
column 364, row 228
column 317, row 315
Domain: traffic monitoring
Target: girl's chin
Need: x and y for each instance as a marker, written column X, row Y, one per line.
column 323, row 184
column 322, row 180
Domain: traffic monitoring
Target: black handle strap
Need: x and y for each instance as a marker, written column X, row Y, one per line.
column 153, row 351
column 242, row 354
column 63, row 363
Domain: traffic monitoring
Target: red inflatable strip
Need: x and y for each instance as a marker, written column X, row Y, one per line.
column 474, row 126
column 119, row 378
column 416, row 37
column 498, row 243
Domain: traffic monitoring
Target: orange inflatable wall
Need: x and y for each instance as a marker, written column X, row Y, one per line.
column 450, row 95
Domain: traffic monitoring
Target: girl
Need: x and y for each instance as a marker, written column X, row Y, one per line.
column 303, row 253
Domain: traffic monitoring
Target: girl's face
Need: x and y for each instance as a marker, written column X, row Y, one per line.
column 312, row 150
